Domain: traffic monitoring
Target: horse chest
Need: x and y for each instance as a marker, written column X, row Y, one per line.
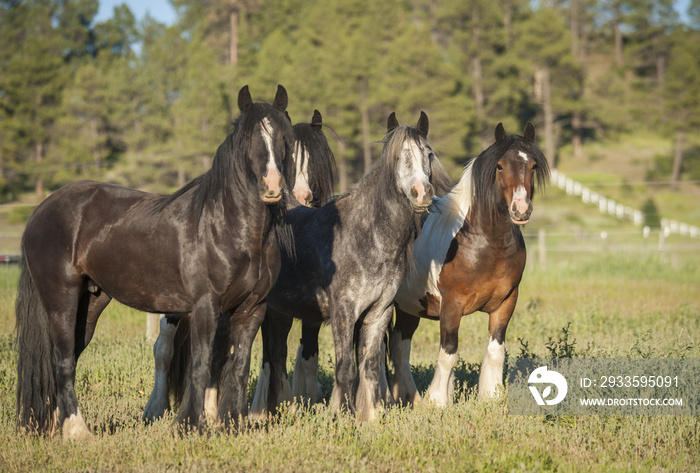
column 467, row 271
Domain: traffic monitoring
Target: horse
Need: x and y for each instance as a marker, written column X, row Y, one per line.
column 210, row 249
column 470, row 257
column 351, row 256
column 311, row 178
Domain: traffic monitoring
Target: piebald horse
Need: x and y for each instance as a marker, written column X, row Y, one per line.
column 470, row 257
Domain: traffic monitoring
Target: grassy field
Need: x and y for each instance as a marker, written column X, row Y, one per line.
column 613, row 305
column 613, row 297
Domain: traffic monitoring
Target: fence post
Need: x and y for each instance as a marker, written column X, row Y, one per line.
column 542, row 247
column 152, row 326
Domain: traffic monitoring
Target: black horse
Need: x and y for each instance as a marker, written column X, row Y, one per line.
column 211, row 249
column 310, row 175
column 351, row 256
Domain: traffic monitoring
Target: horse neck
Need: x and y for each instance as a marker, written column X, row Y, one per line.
column 495, row 226
column 378, row 203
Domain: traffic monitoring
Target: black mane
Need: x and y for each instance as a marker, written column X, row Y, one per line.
column 321, row 162
column 229, row 172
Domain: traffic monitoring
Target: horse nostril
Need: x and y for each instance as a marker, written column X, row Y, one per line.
column 414, row 192
column 429, row 191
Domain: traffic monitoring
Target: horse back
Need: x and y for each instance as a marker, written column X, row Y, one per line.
column 109, row 235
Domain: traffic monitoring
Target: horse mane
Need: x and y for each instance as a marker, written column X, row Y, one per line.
column 375, row 189
column 228, row 173
column 321, row 162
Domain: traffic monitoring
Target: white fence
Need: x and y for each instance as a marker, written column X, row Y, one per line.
column 623, row 212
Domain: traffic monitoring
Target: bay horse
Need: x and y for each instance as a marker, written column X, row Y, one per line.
column 470, row 257
column 351, row 256
column 210, row 249
column 311, row 177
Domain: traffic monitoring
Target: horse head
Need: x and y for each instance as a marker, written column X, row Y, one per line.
column 312, row 178
column 516, row 170
column 268, row 146
column 415, row 156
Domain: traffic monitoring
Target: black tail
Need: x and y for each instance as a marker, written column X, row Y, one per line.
column 177, row 374
column 36, row 381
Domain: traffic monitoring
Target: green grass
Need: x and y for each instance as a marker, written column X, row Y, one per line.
column 610, row 305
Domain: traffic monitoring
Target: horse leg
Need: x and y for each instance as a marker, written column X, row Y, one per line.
column 491, row 376
column 369, row 356
column 273, row 383
column 65, row 349
column 90, row 307
column 403, row 387
column 159, row 400
column 384, row 373
column 205, row 316
column 233, row 398
column 305, row 381
column 343, row 318
column 441, row 389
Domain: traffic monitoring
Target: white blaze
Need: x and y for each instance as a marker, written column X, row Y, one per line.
column 273, row 174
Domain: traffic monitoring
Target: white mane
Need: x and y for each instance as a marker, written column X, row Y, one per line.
column 446, row 217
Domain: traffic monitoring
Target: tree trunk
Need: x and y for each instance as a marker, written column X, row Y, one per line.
column 545, row 95
column 576, row 141
column 619, row 60
column 233, row 42
column 38, row 157
column 342, row 167
column 477, row 77
column 181, row 175
column 508, row 23
column 574, row 29
column 364, row 111
column 660, row 80
column 677, row 160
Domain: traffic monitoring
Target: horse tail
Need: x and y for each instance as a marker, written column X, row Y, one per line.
column 177, row 373
column 36, row 379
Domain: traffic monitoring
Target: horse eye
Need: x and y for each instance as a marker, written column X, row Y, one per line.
column 535, row 167
column 431, row 156
column 499, row 167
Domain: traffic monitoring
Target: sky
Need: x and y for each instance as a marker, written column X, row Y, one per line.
column 160, row 10
column 163, row 11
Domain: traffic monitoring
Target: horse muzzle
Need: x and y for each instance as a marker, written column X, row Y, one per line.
column 520, row 212
column 421, row 196
column 303, row 195
column 271, row 188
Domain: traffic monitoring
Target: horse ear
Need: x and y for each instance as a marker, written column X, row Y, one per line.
column 286, row 114
column 391, row 122
column 423, row 124
column 280, row 102
column 500, row 132
column 317, row 119
column 529, row 131
column 244, row 99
